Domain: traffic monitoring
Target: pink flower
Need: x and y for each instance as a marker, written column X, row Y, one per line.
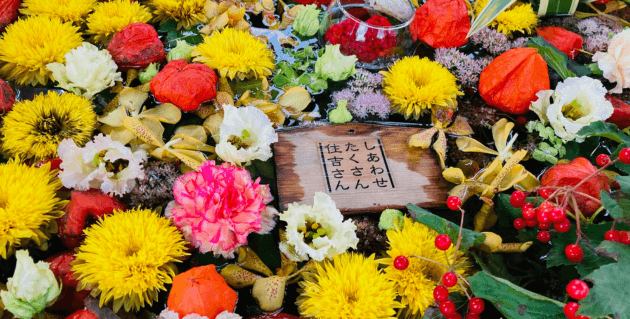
column 217, row 207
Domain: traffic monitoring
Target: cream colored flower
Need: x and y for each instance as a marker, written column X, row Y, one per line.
column 246, row 134
column 317, row 231
column 31, row 289
column 616, row 62
column 227, row 315
column 577, row 102
column 399, row 9
column 87, row 71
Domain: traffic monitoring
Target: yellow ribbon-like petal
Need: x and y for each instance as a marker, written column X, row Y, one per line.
column 500, row 132
column 440, row 147
column 454, row 175
column 148, row 130
column 467, row 144
column 460, row 127
column 423, row 138
column 167, row 113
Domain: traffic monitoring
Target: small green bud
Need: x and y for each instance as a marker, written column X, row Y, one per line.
column 390, row 219
column 181, row 51
column 340, row 114
column 148, row 74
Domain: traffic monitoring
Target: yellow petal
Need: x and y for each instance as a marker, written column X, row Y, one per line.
column 514, row 176
column 440, row 147
column 454, row 175
column 500, row 132
column 509, row 165
column 422, row 139
column 167, row 113
column 213, row 125
column 195, row 131
column 460, row 127
column 467, row 144
column 191, row 158
column 295, row 99
column 114, row 118
column 132, row 99
column 467, row 189
column 150, row 131
column 528, row 183
column 211, row 9
column 190, row 143
column 489, row 173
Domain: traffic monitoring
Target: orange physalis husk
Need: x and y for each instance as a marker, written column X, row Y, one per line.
column 563, row 39
column 441, row 23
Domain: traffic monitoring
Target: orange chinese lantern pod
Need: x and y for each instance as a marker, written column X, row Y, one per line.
column 510, row 82
column 441, row 23
column 564, row 40
column 202, row 291
column 571, row 174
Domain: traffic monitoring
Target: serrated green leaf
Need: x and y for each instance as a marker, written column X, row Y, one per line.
column 513, row 301
column 607, row 130
column 443, row 226
column 618, row 209
column 492, row 9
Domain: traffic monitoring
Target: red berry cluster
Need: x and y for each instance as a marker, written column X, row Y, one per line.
column 447, row 307
column 618, row 236
column 367, row 44
column 576, row 289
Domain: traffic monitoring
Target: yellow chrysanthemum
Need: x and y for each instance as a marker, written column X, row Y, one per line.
column 29, row 44
column 351, row 286
column 415, row 85
column 236, row 53
column 28, row 205
column 66, row 10
column 187, row 13
column 111, row 17
column 34, row 129
column 129, row 256
column 519, row 17
column 416, row 283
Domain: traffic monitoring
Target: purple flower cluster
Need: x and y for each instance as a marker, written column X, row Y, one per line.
column 596, row 32
column 496, row 42
column 364, row 96
column 464, row 67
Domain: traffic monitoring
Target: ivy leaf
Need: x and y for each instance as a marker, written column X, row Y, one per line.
column 513, row 301
column 619, row 209
column 607, row 130
column 443, row 226
column 611, row 286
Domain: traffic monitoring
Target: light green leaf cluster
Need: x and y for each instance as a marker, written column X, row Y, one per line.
column 550, row 148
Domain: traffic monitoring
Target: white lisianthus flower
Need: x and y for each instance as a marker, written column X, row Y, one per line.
column 227, row 315
column 246, row 134
column 32, row 288
column 102, row 163
column 87, row 71
column 577, row 102
column 616, row 62
column 317, row 231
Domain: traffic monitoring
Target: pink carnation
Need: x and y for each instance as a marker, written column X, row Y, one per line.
column 217, row 207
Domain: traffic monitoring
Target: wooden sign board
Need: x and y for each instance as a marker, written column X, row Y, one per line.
column 363, row 167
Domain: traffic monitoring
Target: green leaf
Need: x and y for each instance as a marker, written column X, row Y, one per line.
column 508, row 213
column 488, row 14
column 619, row 209
column 513, row 301
column 594, row 67
column 611, row 285
column 168, row 26
column 554, row 58
column 619, row 164
column 265, row 169
column 494, row 265
column 624, row 182
column 443, row 226
column 266, row 247
column 607, row 130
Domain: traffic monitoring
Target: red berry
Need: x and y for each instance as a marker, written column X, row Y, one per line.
column 577, row 289
column 447, row 308
column 602, row 159
column 612, row 235
column 520, row 224
column 543, row 236
column 624, row 237
column 624, row 155
column 517, row 199
column 546, row 205
column 442, row 242
column 401, row 262
column 562, row 226
column 557, row 215
column 454, row 316
column 582, row 317
column 529, row 213
column 449, row 279
column 574, row 253
column 544, row 226
column 440, row 293
column 521, row 120
column 545, row 193
column 454, row 203
column 471, row 315
column 544, row 216
column 570, row 309
column 476, row 305
column 527, row 205
column 531, row 223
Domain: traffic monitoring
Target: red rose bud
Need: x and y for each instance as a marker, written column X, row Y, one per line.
column 441, row 23
column 185, row 85
column 8, row 14
column 621, row 114
column 70, row 299
column 510, row 82
column 564, row 40
column 7, row 97
column 84, row 208
column 136, row 46
column 82, row 314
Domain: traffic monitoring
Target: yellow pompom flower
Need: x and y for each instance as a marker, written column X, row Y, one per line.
column 66, row 10
column 128, row 257
column 236, row 53
column 519, row 17
column 349, row 286
column 416, row 283
column 187, row 13
column 29, row 44
column 28, row 205
column 34, row 129
column 111, row 17
column 415, row 85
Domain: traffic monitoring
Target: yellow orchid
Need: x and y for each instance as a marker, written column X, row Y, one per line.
column 224, row 14
column 186, row 145
column 440, row 117
column 487, row 182
column 494, row 244
column 500, row 133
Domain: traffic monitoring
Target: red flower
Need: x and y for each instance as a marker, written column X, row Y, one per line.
column 70, row 299
column 82, row 314
column 366, row 45
column 319, row 3
column 84, row 207
column 510, row 82
column 441, row 23
column 8, row 13
column 571, row 174
column 564, row 40
column 7, row 97
column 185, row 85
column 136, row 46
column 621, row 114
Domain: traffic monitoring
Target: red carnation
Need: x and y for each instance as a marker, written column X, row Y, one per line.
column 564, row 40
column 185, row 85
column 136, row 46
column 70, row 299
column 8, row 14
column 7, row 97
column 367, row 46
column 441, row 23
